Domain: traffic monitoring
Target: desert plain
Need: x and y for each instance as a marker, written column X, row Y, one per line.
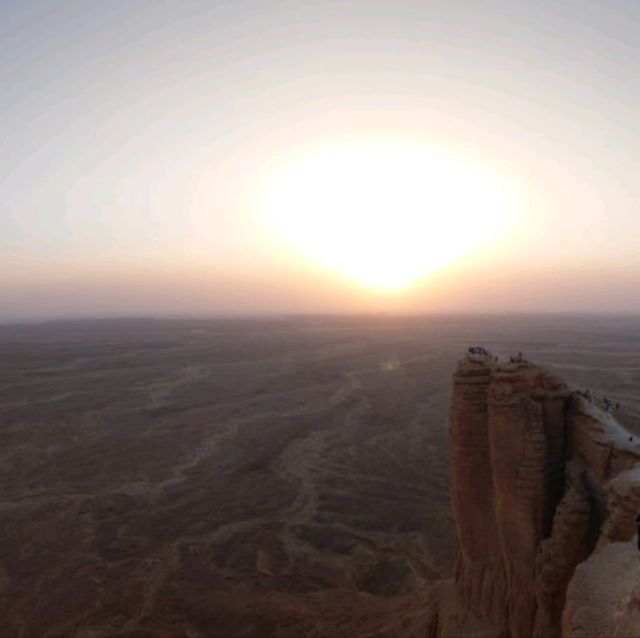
column 249, row 477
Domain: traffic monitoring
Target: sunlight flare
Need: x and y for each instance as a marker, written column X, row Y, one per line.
column 385, row 214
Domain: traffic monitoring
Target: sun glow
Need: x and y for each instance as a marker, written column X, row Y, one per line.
column 385, row 214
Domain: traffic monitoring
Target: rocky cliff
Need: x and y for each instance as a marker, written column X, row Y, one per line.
column 545, row 488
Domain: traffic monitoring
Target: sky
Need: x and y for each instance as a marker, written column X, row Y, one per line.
column 240, row 157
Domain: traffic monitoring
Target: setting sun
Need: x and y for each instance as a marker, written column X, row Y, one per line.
column 385, row 214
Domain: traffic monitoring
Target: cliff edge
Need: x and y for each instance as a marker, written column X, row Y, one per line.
column 545, row 489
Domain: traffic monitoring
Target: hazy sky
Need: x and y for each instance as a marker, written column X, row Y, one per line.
column 138, row 137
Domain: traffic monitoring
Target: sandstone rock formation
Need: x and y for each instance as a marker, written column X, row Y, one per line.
column 545, row 489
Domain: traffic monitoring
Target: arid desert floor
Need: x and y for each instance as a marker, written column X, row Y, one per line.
column 248, row 477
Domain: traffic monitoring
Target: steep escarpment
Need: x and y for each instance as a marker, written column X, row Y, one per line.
column 542, row 484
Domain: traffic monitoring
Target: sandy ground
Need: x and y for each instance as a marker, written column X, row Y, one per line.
column 247, row 477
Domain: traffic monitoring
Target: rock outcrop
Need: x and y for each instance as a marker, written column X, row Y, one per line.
column 544, row 486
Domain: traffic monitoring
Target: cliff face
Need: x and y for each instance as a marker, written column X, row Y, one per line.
column 542, row 483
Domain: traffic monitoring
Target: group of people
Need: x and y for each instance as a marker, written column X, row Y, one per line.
column 587, row 395
column 479, row 350
column 609, row 405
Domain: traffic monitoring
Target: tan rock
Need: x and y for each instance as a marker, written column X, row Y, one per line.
column 541, row 481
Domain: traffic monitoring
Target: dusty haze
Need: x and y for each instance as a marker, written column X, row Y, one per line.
column 136, row 139
column 248, row 477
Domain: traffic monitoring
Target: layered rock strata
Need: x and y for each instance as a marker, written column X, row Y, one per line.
column 542, row 481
